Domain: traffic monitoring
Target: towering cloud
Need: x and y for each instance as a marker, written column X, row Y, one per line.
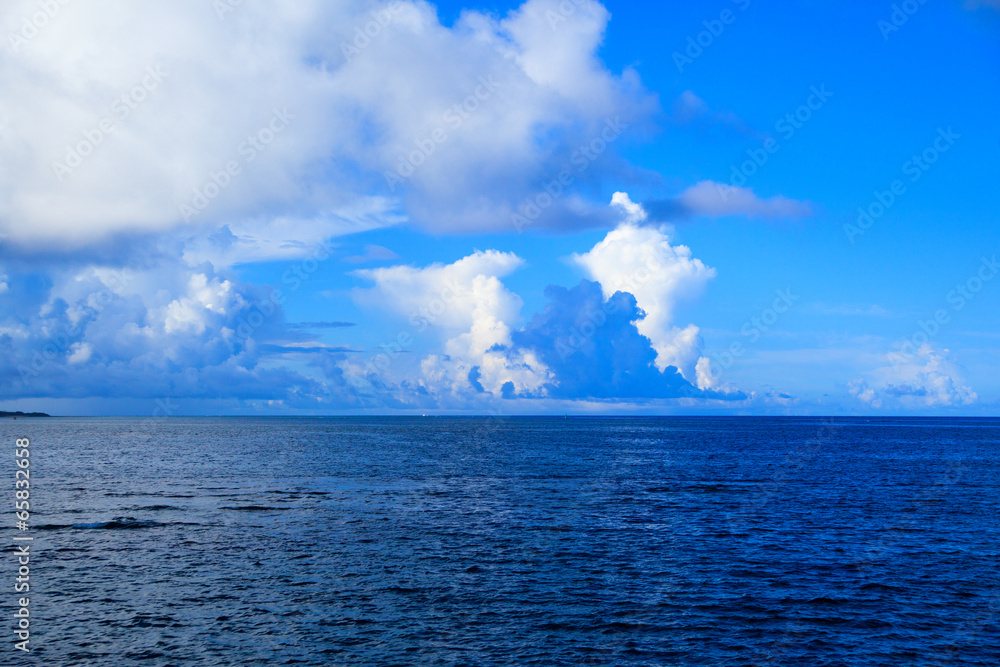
column 640, row 260
column 471, row 311
column 593, row 348
column 613, row 337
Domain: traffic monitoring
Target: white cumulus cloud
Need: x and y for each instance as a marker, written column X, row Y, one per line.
column 120, row 117
column 923, row 379
column 640, row 260
column 471, row 309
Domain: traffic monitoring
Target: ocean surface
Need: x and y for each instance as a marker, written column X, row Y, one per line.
column 436, row 541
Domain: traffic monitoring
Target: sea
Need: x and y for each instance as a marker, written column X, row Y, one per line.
column 506, row 541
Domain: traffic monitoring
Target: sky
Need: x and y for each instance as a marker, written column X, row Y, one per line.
column 735, row 207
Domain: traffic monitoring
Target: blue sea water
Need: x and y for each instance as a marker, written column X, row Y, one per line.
column 524, row 541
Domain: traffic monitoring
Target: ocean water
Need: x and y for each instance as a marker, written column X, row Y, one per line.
column 435, row 541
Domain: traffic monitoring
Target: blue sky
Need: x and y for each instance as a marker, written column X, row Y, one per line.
column 763, row 209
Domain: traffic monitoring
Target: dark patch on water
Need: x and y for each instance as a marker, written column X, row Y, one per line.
column 118, row 523
column 254, row 508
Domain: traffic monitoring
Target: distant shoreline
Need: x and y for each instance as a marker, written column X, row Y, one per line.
column 24, row 414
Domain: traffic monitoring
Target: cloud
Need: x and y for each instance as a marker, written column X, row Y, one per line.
column 373, row 253
column 274, row 238
column 689, row 109
column 124, row 119
column 471, row 311
column 924, row 379
column 641, row 261
column 611, row 336
column 452, row 297
column 717, row 200
column 320, row 325
column 160, row 330
column 120, row 144
column 593, row 349
column 583, row 346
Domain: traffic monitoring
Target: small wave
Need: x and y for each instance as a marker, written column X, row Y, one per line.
column 148, row 494
column 710, row 488
column 871, row 624
column 880, row 587
column 149, row 621
column 253, row 508
column 303, row 493
column 826, row 601
column 118, row 523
